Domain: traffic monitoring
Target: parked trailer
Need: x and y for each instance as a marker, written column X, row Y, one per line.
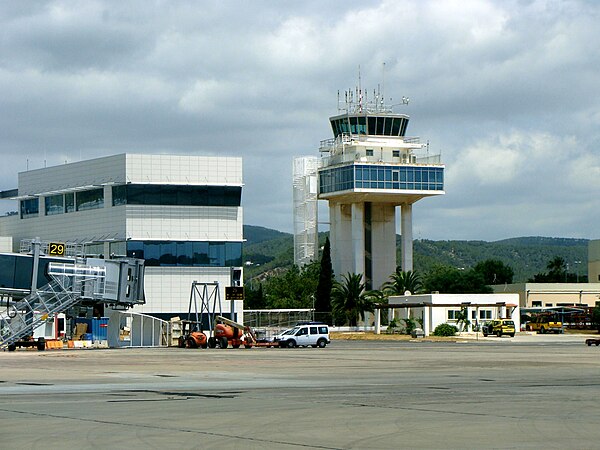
column 40, row 344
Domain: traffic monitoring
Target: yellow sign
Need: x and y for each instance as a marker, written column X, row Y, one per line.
column 56, row 249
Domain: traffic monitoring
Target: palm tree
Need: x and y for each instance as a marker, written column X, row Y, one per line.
column 401, row 281
column 349, row 299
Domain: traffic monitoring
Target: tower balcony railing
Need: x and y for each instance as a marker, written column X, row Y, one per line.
column 412, row 158
column 339, row 143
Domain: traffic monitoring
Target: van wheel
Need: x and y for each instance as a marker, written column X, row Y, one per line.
column 321, row 343
column 291, row 343
column 499, row 333
column 542, row 330
column 512, row 334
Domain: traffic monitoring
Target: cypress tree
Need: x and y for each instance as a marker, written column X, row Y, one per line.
column 323, row 295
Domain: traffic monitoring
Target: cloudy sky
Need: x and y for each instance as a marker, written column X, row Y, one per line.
column 507, row 91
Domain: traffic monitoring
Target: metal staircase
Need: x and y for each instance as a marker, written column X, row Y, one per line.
column 70, row 284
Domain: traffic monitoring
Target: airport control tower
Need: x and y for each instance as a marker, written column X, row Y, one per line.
column 368, row 169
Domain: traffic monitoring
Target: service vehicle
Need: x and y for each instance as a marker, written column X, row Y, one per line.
column 545, row 323
column 315, row 334
column 227, row 332
column 499, row 327
column 192, row 335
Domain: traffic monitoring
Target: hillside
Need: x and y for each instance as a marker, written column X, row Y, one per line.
column 269, row 250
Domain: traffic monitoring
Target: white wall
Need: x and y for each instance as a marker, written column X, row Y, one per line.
column 168, row 289
column 182, row 223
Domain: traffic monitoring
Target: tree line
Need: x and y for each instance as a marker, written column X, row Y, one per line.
column 345, row 301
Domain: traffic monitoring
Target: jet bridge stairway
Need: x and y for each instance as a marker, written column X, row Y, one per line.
column 70, row 284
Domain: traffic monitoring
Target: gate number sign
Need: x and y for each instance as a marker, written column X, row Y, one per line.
column 56, row 249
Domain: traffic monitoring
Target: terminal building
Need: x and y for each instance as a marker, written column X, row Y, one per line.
column 181, row 214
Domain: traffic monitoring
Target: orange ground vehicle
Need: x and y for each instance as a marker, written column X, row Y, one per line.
column 192, row 335
column 227, row 332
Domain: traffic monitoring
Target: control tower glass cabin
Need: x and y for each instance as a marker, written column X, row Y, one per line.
column 368, row 169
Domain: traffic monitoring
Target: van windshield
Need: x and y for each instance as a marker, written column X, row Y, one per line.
column 290, row 331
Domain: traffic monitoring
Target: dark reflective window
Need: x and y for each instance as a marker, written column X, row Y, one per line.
column 362, row 125
column 186, row 253
column 139, row 194
column 396, row 126
column 403, row 129
column 92, row 199
column 69, row 202
column 168, row 254
column 151, row 253
column 377, row 177
column 7, row 271
column 387, row 127
column 380, row 121
column 119, row 195
column 54, row 204
column 354, row 125
column 30, row 207
column 200, row 254
column 371, row 125
column 135, row 249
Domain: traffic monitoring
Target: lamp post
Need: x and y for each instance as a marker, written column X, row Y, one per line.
column 577, row 268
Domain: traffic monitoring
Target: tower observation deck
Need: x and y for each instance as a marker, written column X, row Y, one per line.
column 367, row 169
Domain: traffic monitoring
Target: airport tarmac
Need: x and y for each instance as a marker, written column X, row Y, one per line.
column 490, row 393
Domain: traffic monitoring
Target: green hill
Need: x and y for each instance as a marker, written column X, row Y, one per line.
column 270, row 250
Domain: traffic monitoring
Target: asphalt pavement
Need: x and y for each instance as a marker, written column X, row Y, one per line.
column 530, row 391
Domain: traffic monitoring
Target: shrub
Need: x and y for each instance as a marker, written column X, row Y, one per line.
column 445, row 329
column 409, row 325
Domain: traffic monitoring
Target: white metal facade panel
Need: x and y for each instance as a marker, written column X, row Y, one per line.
column 168, row 289
column 182, row 223
column 92, row 173
column 176, row 169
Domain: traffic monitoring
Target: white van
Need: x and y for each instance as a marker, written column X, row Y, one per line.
column 313, row 333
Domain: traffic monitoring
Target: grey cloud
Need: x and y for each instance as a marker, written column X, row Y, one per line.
column 259, row 80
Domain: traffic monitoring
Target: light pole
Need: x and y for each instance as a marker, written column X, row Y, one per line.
column 577, row 267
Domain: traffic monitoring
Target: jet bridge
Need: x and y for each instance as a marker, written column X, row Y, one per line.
column 59, row 283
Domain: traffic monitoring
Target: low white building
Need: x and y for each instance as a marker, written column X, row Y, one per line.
column 436, row 309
